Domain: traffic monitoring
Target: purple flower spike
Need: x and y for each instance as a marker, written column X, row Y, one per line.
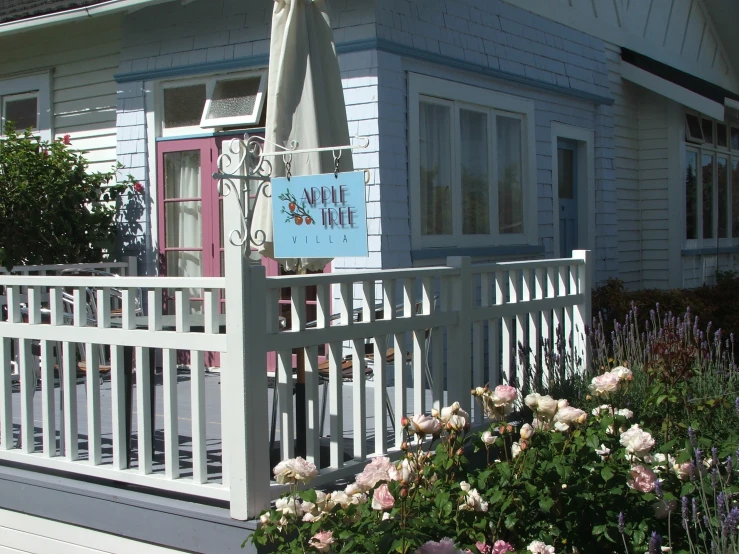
column 729, row 467
column 691, row 436
column 731, row 523
column 721, row 506
column 621, row 522
column 695, row 511
column 658, row 489
column 714, row 478
column 685, row 511
column 714, row 456
column 655, row 543
column 698, row 457
column 736, row 403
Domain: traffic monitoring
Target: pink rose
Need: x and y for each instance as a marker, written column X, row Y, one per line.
column 483, row 547
column 322, row 541
column 501, row 547
column 66, row 139
column 295, row 470
column 643, row 479
column 504, row 395
column 382, row 499
column 379, row 469
column 603, row 385
column 425, row 425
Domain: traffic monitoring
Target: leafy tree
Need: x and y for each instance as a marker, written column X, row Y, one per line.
column 52, row 208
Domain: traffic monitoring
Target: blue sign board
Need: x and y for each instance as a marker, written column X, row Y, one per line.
column 320, row 216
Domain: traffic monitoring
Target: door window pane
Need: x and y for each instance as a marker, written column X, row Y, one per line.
column 691, row 196
column 23, row 112
column 185, row 264
column 182, row 174
column 566, row 173
column 183, row 224
column 183, row 106
column 722, row 177
column 707, row 162
column 707, row 130
column 475, row 177
column 734, row 138
column 435, row 169
column 510, row 189
column 235, row 97
column 735, row 199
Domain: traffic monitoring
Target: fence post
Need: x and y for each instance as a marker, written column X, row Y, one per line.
column 459, row 357
column 582, row 312
column 244, row 375
column 133, row 266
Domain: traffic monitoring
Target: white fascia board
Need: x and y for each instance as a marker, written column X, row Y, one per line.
column 672, row 91
column 112, row 6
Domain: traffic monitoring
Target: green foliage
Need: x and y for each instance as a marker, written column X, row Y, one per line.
column 52, row 209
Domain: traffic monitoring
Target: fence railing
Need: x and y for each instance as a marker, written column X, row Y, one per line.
column 404, row 341
column 126, row 268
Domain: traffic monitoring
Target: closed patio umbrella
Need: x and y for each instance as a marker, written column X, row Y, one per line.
column 305, row 104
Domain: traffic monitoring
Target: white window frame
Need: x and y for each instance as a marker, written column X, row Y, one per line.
column 426, row 88
column 207, row 126
column 38, row 85
column 717, row 152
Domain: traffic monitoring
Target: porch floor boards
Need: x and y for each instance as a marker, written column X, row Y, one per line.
column 213, row 419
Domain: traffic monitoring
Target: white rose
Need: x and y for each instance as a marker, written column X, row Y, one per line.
column 547, row 406
column 625, row 412
column 570, row 415
column 623, row 373
column 604, row 384
column 457, row 422
column 515, row 449
column 295, row 470
column 405, row 471
column 488, row 438
column 465, row 486
column 636, row 441
column 352, row 489
column 527, row 431
column 603, row 451
column 561, row 427
column 532, row 400
column 562, row 404
column 603, row 408
column 264, row 518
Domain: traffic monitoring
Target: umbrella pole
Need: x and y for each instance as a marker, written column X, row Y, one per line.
column 300, row 412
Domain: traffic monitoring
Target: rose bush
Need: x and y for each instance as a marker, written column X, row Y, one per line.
column 579, row 476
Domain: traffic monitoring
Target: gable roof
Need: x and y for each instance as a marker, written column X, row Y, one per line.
column 14, row 10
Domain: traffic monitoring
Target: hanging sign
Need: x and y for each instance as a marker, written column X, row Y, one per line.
column 319, row 216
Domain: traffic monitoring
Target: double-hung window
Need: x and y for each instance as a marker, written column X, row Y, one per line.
column 471, row 159
column 711, row 183
column 26, row 102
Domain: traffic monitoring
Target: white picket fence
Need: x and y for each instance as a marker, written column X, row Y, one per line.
column 450, row 328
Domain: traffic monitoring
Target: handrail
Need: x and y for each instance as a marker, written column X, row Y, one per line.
column 120, row 282
column 284, row 281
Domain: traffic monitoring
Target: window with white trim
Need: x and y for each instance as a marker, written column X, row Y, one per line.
column 193, row 106
column 26, row 102
column 711, row 182
column 471, row 162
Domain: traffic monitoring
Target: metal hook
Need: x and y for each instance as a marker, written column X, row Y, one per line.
column 288, row 159
column 337, row 158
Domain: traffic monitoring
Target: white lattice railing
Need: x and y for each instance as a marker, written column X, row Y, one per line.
column 448, row 328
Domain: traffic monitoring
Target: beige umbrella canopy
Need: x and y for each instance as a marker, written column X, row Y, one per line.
column 305, row 104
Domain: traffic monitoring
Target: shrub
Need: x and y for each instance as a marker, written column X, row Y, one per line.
column 52, row 208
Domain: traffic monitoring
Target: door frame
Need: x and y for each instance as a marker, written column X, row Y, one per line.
column 585, row 159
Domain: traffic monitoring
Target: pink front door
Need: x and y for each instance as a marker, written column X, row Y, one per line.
column 190, row 222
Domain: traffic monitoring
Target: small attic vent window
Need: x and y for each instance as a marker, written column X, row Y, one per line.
column 226, row 101
column 693, row 129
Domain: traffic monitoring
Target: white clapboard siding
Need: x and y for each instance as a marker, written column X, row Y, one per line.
column 34, row 535
column 681, row 33
column 83, row 57
column 654, row 189
column 626, row 140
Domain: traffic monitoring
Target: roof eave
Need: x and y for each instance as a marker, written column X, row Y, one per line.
column 66, row 16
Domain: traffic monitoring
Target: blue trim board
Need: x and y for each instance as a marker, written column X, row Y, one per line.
column 382, row 45
column 481, row 251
